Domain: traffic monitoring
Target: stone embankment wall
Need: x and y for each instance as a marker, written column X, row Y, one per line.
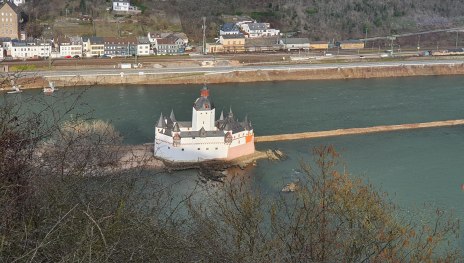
column 260, row 75
column 354, row 131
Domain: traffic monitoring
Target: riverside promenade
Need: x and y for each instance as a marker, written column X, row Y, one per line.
column 354, row 131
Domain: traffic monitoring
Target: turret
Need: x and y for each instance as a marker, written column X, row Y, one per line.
column 203, row 112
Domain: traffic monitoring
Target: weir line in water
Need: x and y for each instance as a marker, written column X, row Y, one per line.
column 353, row 131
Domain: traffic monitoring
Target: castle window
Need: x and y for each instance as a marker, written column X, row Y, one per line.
column 198, row 148
column 207, row 149
column 216, row 148
column 182, row 149
column 169, row 147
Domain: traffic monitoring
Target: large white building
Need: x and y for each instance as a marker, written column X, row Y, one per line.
column 121, row 5
column 23, row 49
column 254, row 30
column 204, row 138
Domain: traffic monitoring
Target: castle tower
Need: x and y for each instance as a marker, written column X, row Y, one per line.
column 203, row 112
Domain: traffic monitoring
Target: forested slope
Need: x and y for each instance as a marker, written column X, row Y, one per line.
column 317, row 19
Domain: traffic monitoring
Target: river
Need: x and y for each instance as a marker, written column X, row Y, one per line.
column 419, row 169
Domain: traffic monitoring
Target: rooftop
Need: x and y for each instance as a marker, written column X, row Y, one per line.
column 295, row 40
column 234, row 36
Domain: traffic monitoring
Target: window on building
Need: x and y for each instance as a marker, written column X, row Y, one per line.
column 198, row 148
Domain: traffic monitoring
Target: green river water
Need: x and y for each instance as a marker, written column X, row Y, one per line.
column 420, row 169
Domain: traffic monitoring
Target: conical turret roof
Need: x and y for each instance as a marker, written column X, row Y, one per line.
column 221, row 118
column 161, row 123
column 176, row 128
column 173, row 117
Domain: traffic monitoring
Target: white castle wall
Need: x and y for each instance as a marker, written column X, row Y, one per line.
column 190, row 150
column 199, row 149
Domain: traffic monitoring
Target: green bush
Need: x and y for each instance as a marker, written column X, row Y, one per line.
column 23, row 68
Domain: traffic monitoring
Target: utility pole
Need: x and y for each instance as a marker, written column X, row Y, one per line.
column 204, row 36
column 457, row 38
column 418, row 42
column 365, row 39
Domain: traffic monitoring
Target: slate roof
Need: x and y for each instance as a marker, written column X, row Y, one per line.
column 227, row 27
column 233, row 36
column 295, row 41
column 94, row 40
column 257, row 26
column 143, row 40
column 261, row 42
column 120, row 40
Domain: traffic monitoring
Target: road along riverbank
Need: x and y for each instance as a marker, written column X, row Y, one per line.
column 246, row 74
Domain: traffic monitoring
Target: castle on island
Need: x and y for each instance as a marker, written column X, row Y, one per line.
column 204, row 138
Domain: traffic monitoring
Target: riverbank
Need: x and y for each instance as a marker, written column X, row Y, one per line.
column 244, row 74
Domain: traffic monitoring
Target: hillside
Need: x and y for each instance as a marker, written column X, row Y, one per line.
column 320, row 20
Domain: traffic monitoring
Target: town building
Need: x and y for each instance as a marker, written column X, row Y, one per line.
column 229, row 29
column 93, row 46
column 169, row 45
column 163, row 43
column 121, row 5
column 351, row 44
column 204, row 138
column 295, row 43
column 255, row 30
column 9, row 20
column 262, row 44
column 319, row 45
column 233, row 43
column 30, row 49
column 143, row 46
column 120, row 46
column 71, row 46
column 124, row 6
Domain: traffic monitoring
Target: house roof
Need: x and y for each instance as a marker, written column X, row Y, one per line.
column 261, row 42
column 120, row 40
column 319, row 42
column 165, row 41
column 295, row 40
column 233, row 36
column 350, row 41
column 143, row 40
column 121, row 1
column 70, row 40
column 229, row 27
column 11, row 5
column 93, row 40
column 257, row 26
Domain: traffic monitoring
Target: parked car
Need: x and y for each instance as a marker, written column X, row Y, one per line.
column 67, row 57
column 76, row 56
column 104, row 56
